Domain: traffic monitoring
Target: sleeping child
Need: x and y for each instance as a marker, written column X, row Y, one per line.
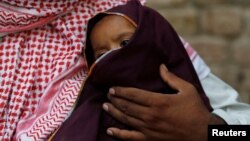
column 125, row 47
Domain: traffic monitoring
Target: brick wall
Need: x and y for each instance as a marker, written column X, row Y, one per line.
column 219, row 30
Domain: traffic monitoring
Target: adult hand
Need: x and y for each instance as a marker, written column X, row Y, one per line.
column 158, row 117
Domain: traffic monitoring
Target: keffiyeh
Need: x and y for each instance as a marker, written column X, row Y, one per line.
column 41, row 63
column 41, row 68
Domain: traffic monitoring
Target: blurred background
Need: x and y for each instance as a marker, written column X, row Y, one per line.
column 220, row 32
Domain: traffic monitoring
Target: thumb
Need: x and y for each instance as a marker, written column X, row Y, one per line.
column 172, row 80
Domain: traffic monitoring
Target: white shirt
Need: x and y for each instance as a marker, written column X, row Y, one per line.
column 223, row 98
column 225, row 101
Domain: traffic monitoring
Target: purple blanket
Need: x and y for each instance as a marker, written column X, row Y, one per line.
column 135, row 65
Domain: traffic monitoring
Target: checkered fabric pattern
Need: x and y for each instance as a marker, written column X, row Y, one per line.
column 42, row 67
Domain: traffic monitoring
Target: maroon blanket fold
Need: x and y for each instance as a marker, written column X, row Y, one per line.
column 135, row 65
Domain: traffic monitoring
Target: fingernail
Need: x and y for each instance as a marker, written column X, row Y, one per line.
column 164, row 67
column 112, row 91
column 105, row 107
column 109, row 132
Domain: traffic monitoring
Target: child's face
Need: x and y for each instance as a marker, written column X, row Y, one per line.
column 109, row 33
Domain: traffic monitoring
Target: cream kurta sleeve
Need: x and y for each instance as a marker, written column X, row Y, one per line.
column 225, row 101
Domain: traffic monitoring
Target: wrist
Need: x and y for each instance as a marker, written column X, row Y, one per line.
column 216, row 120
column 211, row 119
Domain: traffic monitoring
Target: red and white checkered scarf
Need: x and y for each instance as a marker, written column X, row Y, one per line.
column 41, row 63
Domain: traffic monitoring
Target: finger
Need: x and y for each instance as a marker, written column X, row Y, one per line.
column 126, row 119
column 129, row 108
column 135, row 95
column 126, row 134
column 172, row 80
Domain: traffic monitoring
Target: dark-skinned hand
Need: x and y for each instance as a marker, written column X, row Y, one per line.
column 160, row 117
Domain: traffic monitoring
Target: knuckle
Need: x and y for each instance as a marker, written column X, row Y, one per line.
column 159, row 102
column 129, row 137
column 124, row 119
column 149, row 118
column 150, row 101
column 190, row 88
column 124, row 108
column 119, row 134
column 153, row 100
column 118, row 90
column 131, row 93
